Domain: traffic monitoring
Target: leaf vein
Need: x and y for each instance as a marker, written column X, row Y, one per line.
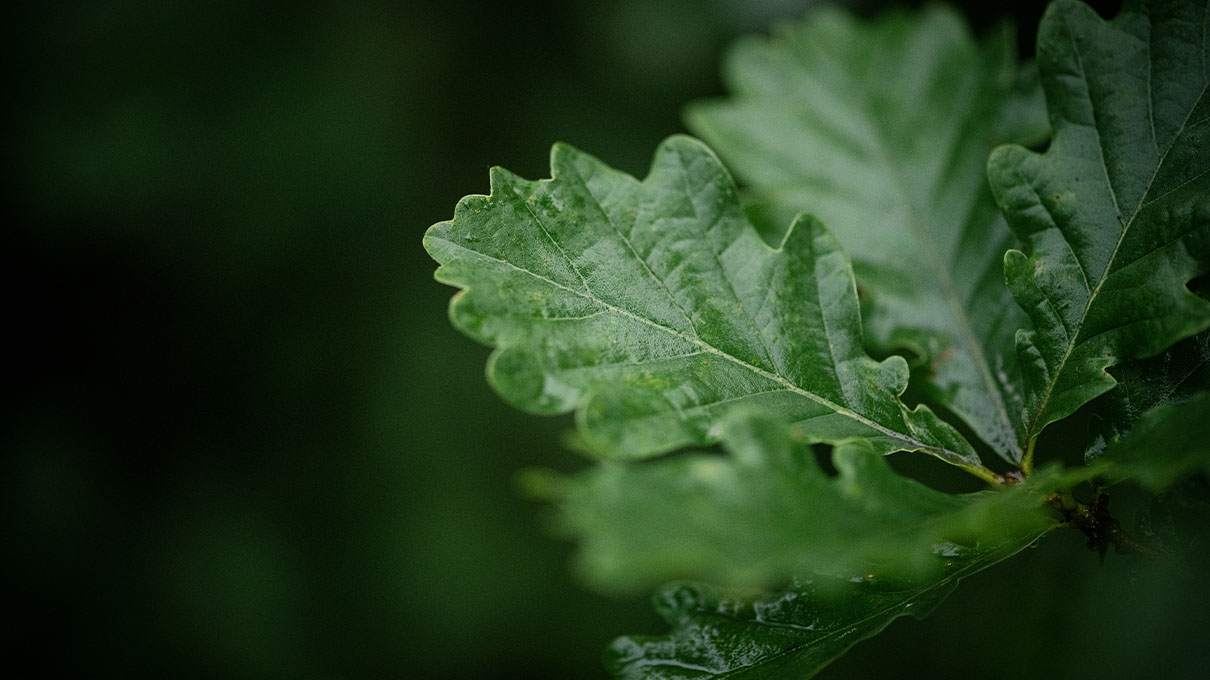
column 538, row 220
column 789, row 386
column 629, row 246
column 849, row 629
column 1074, row 338
column 726, row 274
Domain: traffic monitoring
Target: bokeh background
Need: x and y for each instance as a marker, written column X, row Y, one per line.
column 241, row 439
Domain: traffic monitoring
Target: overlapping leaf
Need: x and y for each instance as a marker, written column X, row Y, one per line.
column 790, row 635
column 766, row 511
column 655, row 311
column 1167, row 444
column 882, row 129
column 1169, row 378
column 653, row 308
column 1115, row 216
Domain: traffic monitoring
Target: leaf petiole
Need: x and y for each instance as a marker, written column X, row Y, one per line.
column 1027, row 461
column 987, row 475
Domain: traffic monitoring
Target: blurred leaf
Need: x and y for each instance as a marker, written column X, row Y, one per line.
column 1170, row 377
column 1177, row 522
column 860, row 550
column 1115, row 216
column 766, row 511
column 882, row 130
column 790, row 635
column 653, row 309
column 1167, row 444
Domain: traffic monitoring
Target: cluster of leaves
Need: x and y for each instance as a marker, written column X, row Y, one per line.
column 678, row 312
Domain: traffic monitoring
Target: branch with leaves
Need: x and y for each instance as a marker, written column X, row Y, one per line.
column 685, row 311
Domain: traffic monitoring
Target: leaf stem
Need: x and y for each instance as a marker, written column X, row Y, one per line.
column 1027, row 461
column 987, row 475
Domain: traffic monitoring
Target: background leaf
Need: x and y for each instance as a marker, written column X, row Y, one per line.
column 765, row 511
column 1115, row 216
column 790, row 635
column 882, row 129
column 1170, row 377
column 1168, row 443
column 793, row 633
column 653, row 308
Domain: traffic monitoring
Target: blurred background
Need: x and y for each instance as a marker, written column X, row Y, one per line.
column 240, row 437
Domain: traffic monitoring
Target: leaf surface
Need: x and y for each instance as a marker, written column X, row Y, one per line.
column 1167, row 443
column 653, row 309
column 766, row 511
column 1115, row 216
column 790, row 635
column 1171, row 377
column 882, row 129
column 844, row 588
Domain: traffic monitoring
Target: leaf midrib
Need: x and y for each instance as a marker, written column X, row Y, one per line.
column 978, row 565
column 706, row 347
column 954, row 302
column 1074, row 338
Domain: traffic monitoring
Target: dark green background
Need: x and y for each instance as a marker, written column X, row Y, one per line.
column 242, row 440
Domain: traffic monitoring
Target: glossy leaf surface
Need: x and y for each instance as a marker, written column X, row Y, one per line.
column 766, row 511
column 790, row 635
column 653, row 309
column 719, row 632
column 1115, row 216
column 882, row 129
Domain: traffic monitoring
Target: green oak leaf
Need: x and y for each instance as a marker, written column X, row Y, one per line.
column 653, row 308
column 848, row 590
column 765, row 511
column 1168, row 443
column 1170, row 377
column 882, row 129
column 791, row 634
column 1115, row 215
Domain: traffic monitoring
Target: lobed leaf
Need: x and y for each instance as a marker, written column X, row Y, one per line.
column 1171, row 377
column 652, row 308
column 1115, row 216
column 1167, row 444
column 849, row 590
column 790, row 635
column 766, row 511
column 882, row 129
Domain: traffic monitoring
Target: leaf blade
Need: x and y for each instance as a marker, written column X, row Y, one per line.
column 1171, row 377
column 882, row 129
column 765, row 511
column 727, row 632
column 1114, row 216
column 1167, row 444
column 652, row 309
column 785, row 636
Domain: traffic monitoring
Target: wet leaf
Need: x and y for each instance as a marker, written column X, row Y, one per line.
column 652, row 308
column 1167, row 444
column 789, row 635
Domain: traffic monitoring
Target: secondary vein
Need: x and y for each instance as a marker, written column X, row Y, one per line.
column 916, row 444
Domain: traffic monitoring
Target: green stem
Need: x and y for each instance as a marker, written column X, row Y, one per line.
column 1027, row 462
column 985, row 474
